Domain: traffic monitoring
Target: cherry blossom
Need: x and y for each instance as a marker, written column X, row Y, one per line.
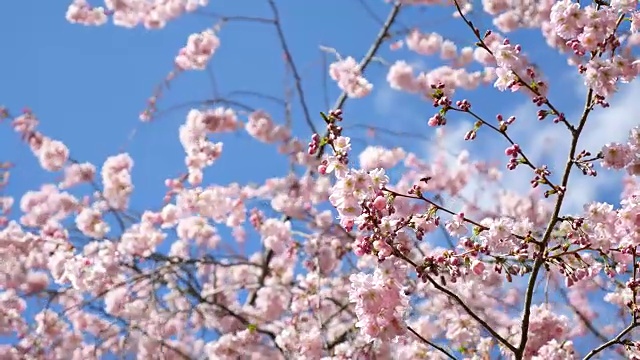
column 352, row 252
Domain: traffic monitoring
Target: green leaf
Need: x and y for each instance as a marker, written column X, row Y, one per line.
column 325, row 117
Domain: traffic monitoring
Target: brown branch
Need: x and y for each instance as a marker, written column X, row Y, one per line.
column 432, row 344
column 614, row 341
column 460, row 302
column 294, row 70
column 547, row 234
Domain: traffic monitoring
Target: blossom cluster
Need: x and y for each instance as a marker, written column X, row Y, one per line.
column 624, row 156
column 357, row 252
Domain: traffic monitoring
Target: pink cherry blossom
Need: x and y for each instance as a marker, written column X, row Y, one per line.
column 347, row 246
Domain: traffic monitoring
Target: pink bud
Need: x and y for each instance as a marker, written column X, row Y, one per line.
column 380, row 203
column 396, row 45
column 568, row 281
column 470, row 135
column 477, row 267
column 433, row 121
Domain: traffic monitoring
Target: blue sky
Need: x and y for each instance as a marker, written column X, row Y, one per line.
column 87, row 85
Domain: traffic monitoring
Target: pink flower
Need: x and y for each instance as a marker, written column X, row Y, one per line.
column 52, row 154
column 380, row 305
column 198, row 51
column 349, row 78
column 616, row 156
column 477, row 267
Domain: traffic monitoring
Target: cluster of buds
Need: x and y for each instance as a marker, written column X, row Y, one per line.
column 334, row 117
column 539, row 100
column 560, row 190
column 474, row 248
column 572, row 275
column 541, row 176
column 512, row 151
column 442, row 101
column 542, row 114
column 633, row 285
column 333, row 132
column 503, row 124
column 437, row 120
column 535, row 86
column 380, row 241
column 447, row 262
column 600, row 100
column 585, row 163
column 463, row 105
column 576, row 223
column 576, row 46
column 314, row 145
column 576, row 238
column 438, row 95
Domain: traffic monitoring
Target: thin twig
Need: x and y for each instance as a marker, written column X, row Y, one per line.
column 462, row 303
column 294, row 69
column 366, row 60
column 616, row 340
column 432, row 344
